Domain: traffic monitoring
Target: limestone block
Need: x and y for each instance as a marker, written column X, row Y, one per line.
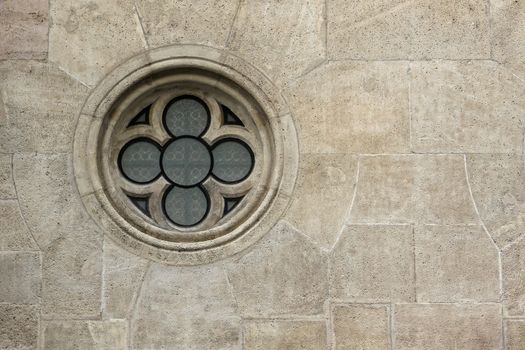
column 42, row 104
column 18, row 327
column 498, row 188
column 474, row 106
column 203, row 22
column 123, row 274
column 281, row 335
column 322, row 196
column 14, row 234
column 352, row 107
column 87, row 38
column 456, row 264
column 283, row 38
column 21, row 274
column 423, row 29
column 508, row 30
column 23, row 24
column 283, row 274
column 189, row 306
column 447, row 326
column 361, row 327
column 7, row 187
column 429, row 189
column 373, row 263
column 515, row 334
column 513, row 266
column 92, row 335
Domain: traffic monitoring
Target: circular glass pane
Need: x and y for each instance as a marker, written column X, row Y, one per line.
column 186, row 161
column 232, row 161
column 140, row 161
column 186, row 116
column 185, row 206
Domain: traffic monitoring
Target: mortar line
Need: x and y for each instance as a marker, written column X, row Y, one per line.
column 391, row 325
column 139, row 18
column 411, row 148
column 134, row 304
column 234, row 22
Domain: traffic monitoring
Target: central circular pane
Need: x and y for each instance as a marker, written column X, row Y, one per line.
column 186, row 161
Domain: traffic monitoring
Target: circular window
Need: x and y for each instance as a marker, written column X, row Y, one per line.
column 185, row 159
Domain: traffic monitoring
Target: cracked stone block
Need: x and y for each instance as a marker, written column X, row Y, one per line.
column 42, row 104
column 281, row 335
column 352, row 107
column 21, row 274
column 23, row 24
column 512, row 260
column 498, row 188
column 14, row 234
column 326, row 182
column 515, row 334
column 447, row 326
column 373, row 264
column 424, row 189
column 87, row 38
column 7, row 186
column 283, row 46
column 18, row 327
column 473, row 107
column 192, row 307
column 93, row 335
column 187, row 21
column 361, row 327
column 282, row 274
column 423, row 29
column 456, row 264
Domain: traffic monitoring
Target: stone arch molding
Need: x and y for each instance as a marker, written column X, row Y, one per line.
column 210, row 70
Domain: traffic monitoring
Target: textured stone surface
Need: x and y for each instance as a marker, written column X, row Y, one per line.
column 89, row 37
column 512, row 260
column 282, row 274
column 7, row 187
column 21, row 275
column 95, row 335
column 429, row 189
column 280, row 335
column 361, row 327
column 23, row 24
column 187, row 21
column 359, row 107
column 422, row 29
column 325, row 182
column 475, row 106
column 498, row 188
column 373, row 264
column 444, row 327
column 14, row 234
column 189, row 306
column 515, row 334
column 18, row 327
column 283, row 46
column 456, row 263
column 42, row 104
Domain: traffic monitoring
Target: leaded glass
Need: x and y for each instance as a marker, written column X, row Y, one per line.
column 232, row 161
column 139, row 161
column 185, row 206
column 186, row 116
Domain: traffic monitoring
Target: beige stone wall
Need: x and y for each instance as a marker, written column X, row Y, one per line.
column 406, row 229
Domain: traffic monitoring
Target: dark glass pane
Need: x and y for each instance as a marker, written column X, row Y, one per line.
column 140, row 161
column 141, row 204
column 186, row 116
column 231, row 203
column 185, row 206
column 230, row 118
column 186, row 161
column 232, row 161
column 141, row 118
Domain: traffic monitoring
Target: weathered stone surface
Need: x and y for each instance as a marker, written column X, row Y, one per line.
column 474, row 107
column 42, row 105
column 14, row 234
column 280, row 335
column 18, row 327
column 23, row 24
column 282, row 274
column 7, row 187
column 21, row 277
column 456, row 264
column 508, row 30
column 515, row 334
column 283, row 46
column 87, row 38
column 513, row 266
column 187, row 21
column 373, row 263
column 361, row 327
column 92, row 335
column 398, row 29
column 325, row 182
column 360, row 107
column 429, row 189
column 446, row 326
column 123, row 274
column 189, row 306
column 498, row 187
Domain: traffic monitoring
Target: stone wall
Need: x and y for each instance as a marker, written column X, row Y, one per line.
column 406, row 227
